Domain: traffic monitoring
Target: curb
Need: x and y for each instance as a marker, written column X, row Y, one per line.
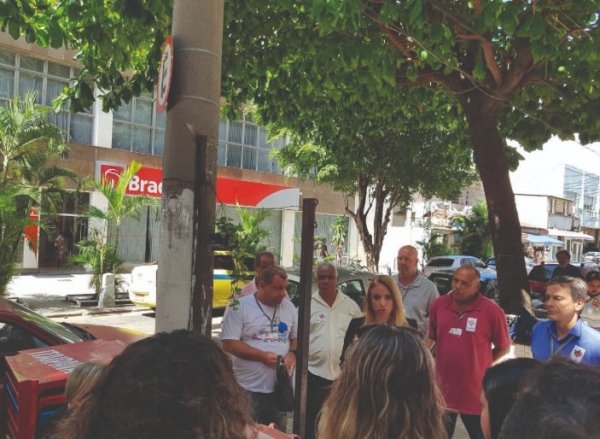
column 94, row 311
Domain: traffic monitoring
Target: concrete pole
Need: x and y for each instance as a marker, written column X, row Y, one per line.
column 185, row 266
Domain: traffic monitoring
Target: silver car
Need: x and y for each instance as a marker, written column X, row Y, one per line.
column 353, row 283
column 451, row 263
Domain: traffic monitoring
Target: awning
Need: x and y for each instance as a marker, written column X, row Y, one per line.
column 542, row 240
column 570, row 235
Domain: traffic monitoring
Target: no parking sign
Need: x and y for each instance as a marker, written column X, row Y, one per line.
column 165, row 74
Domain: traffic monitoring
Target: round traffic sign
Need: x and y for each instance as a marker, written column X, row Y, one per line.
column 165, row 74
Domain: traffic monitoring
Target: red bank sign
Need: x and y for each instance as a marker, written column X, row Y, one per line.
column 148, row 181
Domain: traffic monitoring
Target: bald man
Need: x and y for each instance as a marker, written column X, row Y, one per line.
column 418, row 292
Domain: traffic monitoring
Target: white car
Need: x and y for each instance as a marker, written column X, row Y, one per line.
column 590, row 256
column 451, row 262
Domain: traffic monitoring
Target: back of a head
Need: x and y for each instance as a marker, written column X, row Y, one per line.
column 174, row 385
column 501, row 385
column 562, row 401
column 81, row 380
column 386, row 389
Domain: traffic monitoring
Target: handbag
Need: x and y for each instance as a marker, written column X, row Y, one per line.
column 521, row 327
column 284, row 393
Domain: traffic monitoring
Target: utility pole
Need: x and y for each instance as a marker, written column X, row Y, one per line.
column 185, row 266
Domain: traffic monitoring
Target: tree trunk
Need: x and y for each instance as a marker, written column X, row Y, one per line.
column 185, row 268
column 372, row 242
column 482, row 113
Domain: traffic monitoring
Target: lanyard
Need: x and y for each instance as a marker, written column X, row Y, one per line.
column 271, row 320
column 560, row 347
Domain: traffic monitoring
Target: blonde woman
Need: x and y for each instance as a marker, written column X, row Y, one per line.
column 387, row 389
column 382, row 304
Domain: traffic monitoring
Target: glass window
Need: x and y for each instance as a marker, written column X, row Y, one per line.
column 14, row 339
column 235, row 132
column 7, row 57
column 7, row 83
column 221, row 154
column 159, row 142
column 82, row 127
column 143, row 112
column 29, row 82
column 250, row 159
column 161, row 119
column 48, row 80
column 29, row 63
column 234, row 156
column 142, row 139
column 250, row 134
column 123, row 113
column 59, row 70
column 121, row 136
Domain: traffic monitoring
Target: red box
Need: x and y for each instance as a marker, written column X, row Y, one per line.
column 35, row 382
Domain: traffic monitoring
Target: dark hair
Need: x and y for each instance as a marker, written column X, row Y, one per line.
column 174, row 385
column 387, row 388
column 270, row 272
column 261, row 255
column 501, row 384
column 562, row 400
column 592, row 275
column 564, row 252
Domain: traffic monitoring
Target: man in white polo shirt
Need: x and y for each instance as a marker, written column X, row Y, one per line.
column 330, row 315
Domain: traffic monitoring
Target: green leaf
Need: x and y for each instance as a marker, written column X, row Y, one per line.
column 13, row 29
column 415, row 11
column 537, row 28
column 436, row 33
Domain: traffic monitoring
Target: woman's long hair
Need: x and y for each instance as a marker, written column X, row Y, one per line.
column 174, row 385
column 397, row 317
column 387, row 389
column 501, row 385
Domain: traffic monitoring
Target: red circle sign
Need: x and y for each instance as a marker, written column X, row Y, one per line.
column 165, row 74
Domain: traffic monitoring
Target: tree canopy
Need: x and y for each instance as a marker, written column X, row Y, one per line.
column 382, row 167
column 508, row 68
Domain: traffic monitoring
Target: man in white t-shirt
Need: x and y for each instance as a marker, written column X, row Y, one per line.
column 262, row 328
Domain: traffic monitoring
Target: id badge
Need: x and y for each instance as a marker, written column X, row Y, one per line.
column 456, row 332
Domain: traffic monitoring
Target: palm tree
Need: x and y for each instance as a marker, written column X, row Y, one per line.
column 95, row 251
column 29, row 147
column 473, row 231
column 120, row 205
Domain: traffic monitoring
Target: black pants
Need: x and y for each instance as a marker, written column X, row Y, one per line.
column 264, row 409
column 472, row 424
column 317, row 390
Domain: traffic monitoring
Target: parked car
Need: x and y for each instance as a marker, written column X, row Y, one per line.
column 353, row 283
column 451, row 263
column 590, row 256
column 491, row 263
column 538, row 278
column 488, row 282
column 142, row 289
column 22, row 329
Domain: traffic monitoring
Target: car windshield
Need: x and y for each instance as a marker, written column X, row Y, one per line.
column 45, row 324
column 442, row 262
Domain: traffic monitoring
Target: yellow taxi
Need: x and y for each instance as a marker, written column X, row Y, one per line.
column 142, row 288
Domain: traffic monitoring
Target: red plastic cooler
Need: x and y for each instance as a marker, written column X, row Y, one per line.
column 35, row 381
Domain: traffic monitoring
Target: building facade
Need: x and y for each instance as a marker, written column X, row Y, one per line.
column 100, row 142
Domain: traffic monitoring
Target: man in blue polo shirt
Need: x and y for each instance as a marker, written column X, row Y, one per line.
column 565, row 334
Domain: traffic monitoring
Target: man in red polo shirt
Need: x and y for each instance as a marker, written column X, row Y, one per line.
column 463, row 326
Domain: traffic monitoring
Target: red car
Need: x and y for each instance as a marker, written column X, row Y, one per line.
column 539, row 277
column 21, row 329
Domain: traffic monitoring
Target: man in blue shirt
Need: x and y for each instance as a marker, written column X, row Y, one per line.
column 565, row 334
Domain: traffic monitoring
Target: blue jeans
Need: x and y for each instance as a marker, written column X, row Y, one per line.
column 472, row 424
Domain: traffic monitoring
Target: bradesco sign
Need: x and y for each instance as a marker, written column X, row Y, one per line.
column 148, row 181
